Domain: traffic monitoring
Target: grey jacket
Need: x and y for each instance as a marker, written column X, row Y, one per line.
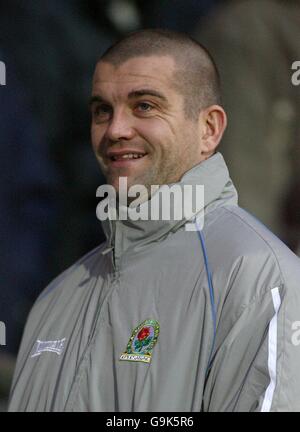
column 169, row 319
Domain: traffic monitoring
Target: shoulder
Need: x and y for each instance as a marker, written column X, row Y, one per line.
column 246, row 235
column 60, row 303
column 82, row 270
column 247, row 258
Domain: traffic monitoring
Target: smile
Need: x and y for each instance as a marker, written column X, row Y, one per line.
column 126, row 156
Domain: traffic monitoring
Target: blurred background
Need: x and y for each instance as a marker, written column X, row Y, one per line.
column 48, row 172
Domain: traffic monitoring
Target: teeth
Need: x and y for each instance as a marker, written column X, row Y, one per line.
column 128, row 156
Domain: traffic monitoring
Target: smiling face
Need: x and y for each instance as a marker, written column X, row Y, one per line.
column 139, row 128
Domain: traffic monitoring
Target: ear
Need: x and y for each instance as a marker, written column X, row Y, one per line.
column 212, row 122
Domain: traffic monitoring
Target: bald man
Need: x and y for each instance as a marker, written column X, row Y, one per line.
column 161, row 317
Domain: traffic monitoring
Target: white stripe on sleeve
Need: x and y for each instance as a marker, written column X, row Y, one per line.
column 272, row 352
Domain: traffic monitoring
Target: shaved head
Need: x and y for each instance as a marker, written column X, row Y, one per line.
column 196, row 76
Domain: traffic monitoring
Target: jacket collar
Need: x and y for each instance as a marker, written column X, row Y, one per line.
column 218, row 190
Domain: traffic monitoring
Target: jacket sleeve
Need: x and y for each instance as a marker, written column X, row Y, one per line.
column 256, row 361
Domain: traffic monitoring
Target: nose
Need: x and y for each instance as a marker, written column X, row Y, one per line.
column 120, row 127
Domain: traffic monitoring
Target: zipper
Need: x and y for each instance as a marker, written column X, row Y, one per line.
column 108, row 249
column 111, row 243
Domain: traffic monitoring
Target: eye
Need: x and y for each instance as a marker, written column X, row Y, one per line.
column 101, row 112
column 144, row 106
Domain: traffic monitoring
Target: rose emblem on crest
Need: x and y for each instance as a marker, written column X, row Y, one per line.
column 142, row 341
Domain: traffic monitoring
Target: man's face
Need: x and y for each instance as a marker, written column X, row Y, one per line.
column 139, row 129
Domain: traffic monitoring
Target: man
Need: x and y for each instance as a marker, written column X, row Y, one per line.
column 161, row 318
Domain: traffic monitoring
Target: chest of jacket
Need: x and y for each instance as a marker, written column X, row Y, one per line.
column 95, row 316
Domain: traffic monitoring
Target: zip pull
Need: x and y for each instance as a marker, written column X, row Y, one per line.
column 105, row 251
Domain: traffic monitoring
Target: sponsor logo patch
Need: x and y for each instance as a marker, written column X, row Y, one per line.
column 56, row 346
column 141, row 342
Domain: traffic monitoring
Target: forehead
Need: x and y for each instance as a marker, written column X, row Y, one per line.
column 154, row 71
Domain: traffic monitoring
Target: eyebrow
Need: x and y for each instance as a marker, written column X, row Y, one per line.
column 146, row 92
column 94, row 99
column 133, row 94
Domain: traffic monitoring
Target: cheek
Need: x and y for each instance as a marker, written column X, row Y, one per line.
column 157, row 134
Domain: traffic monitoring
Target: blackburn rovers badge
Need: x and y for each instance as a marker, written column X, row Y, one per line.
column 142, row 341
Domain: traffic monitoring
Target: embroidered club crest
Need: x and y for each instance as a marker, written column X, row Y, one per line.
column 142, row 341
